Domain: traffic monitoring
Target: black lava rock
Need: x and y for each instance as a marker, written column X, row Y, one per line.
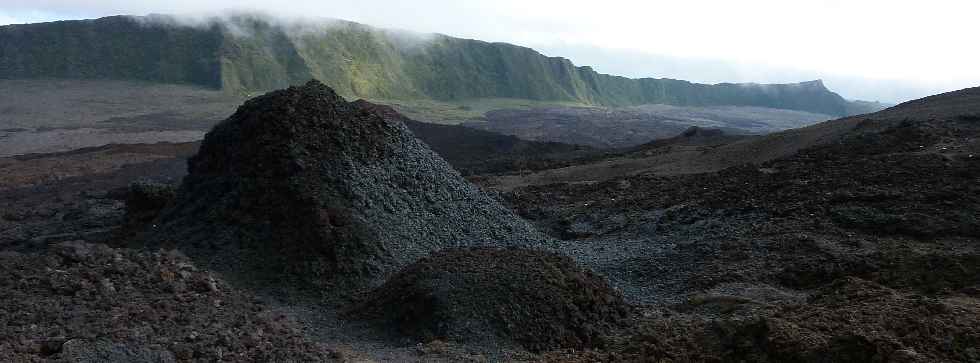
column 301, row 181
column 536, row 299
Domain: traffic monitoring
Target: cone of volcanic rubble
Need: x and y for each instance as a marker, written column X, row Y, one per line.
column 299, row 180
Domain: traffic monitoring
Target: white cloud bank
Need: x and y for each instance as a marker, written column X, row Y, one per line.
column 924, row 45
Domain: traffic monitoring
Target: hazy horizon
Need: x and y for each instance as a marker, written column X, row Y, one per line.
column 880, row 57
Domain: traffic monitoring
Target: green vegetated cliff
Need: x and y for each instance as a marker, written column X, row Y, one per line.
column 247, row 54
column 113, row 48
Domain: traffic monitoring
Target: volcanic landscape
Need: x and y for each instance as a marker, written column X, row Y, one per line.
column 306, row 227
column 152, row 222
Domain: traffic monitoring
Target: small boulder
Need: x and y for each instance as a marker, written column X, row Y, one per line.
column 145, row 200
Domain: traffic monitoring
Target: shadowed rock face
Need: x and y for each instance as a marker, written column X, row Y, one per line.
column 300, row 180
column 537, row 299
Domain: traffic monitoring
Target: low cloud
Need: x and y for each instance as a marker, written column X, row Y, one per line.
column 896, row 45
column 242, row 24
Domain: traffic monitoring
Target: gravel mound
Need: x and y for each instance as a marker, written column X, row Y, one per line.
column 536, row 299
column 82, row 302
column 301, row 181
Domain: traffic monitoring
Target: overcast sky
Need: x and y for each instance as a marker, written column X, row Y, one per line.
column 889, row 50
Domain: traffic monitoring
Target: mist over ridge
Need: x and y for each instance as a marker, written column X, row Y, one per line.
column 247, row 53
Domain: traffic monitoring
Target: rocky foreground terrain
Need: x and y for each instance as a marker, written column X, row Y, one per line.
column 307, row 228
column 863, row 249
